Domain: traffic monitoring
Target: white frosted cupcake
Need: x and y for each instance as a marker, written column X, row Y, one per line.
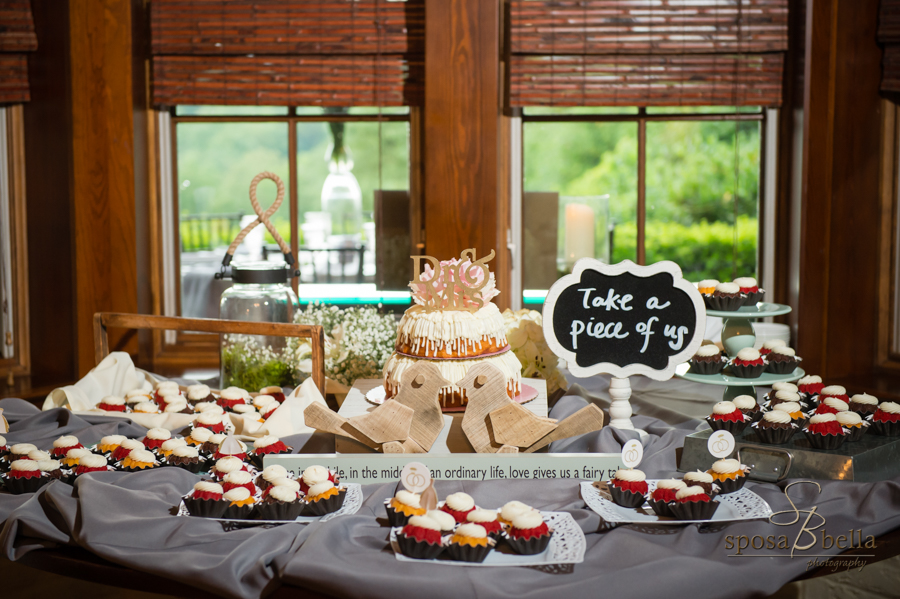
column 747, row 364
column 403, row 506
column 726, row 298
column 458, row 505
column 628, row 487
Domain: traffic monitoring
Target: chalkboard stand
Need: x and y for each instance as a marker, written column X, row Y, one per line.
column 620, row 406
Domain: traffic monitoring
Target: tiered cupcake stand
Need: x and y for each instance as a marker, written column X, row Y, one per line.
column 737, row 334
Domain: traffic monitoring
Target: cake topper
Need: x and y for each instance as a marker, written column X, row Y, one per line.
column 458, row 284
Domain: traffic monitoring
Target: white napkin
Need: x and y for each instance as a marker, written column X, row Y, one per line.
column 115, row 375
column 288, row 418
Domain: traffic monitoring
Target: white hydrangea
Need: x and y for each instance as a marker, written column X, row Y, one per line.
column 525, row 333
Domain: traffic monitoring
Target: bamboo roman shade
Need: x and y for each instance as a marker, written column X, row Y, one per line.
column 647, row 52
column 16, row 38
column 288, row 52
column 889, row 37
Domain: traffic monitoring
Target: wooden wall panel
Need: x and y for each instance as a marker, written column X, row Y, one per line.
column 103, row 193
column 461, row 120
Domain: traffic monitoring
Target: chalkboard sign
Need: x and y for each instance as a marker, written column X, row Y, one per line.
column 624, row 319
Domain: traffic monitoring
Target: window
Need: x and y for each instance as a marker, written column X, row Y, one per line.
column 644, row 185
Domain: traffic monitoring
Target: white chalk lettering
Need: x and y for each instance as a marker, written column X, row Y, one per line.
column 646, row 329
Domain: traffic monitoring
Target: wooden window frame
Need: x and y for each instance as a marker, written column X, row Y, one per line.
column 887, row 356
column 20, row 363
column 175, row 351
column 641, row 118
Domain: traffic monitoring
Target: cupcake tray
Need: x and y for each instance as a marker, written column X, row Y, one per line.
column 352, row 502
column 870, row 459
column 740, row 505
column 567, row 546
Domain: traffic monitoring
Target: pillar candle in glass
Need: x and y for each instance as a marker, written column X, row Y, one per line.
column 579, row 240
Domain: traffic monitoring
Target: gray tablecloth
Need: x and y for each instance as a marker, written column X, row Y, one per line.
column 126, row 518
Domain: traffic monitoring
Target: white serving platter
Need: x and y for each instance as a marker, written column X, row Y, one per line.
column 740, row 505
column 567, row 546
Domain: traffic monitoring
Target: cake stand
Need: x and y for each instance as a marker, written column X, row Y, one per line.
column 737, row 334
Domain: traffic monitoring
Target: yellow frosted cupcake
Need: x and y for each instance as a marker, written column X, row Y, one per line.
column 403, row 506
column 138, row 460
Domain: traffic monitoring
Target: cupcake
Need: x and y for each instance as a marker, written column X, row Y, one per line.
column 72, row 458
column 727, row 416
column 111, row 403
column 210, row 420
column 269, row 409
column 701, row 479
column 238, row 478
column 445, row 520
column 854, row 424
column 693, row 503
column 198, row 436
column 863, row 404
column 241, row 504
column 783, row 396
column 226, row 466
column 458, row 505
column 20, row 451
column 109, row 443
column 708, row 360
column 789, row 390
column 197, row 393
column 470, row 543
column 886, row 420
column 281, row 503
column 225, row 448
column 707, row 286
column 748, row 406
column 825, row 432
column 324, row 498
column 402, row 507
column 170, row 445
column 810, row 385
column 178, row 406
column 663, row 495
column 771, row 344
column 275, row 471
column 529, row 534
column 748, row 364
column 138, row 460
column 749, row 287
column 125, row 447
column 206, row 500
column 169, row 395
column 775, row 428
column 230, row 397
column 244, row 409
column 420, row 538
column 282, row 482
column 186, row 457
column 277, row 393
column 155, row 438
column 91, row 463
column 164, row 386
column 834, row 391
column 146, row 407
column 261, row 401
column 62, row 446
column 726, row 298
column 268, row 445
column 24, row 476
column 511, row 509
column 488, row 520
column 628, row 488
column 314, row 475
column 794, row 410
column 782, row 360
column 729, row 474
column 50, row 469
column 832, row 405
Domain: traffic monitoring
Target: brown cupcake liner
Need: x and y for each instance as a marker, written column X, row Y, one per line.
column 19, row 486
column 724, row 304
column 856, row 432
column 886, row 429
column 819, row 441
column 280, row 511
column 706, row 368
column 204, row 508
column 782, row 367
column 410, row 547
column 663, row 509
column 627, row 499
column 240, row 512
column 730, row 485
column 863, row 409
column 735, row 428
column 468, row 553
column 690, row 510
column 774, row 436
column 193, row 468
column 531, row 546
column 754, row 298
column 325, row 506
column 747, row 372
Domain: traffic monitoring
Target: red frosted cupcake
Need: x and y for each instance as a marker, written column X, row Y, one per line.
column 420, row 538
column 238, row 478
column 825, row 432
column 693, row 503
column 487, row 519
column 281, row 482
column 91, row 463
column 748, row 364
column 226, row 466
column 750, row 288
column 748, row 405
column 268, row 445
column 529, row 534
column 727, row 416
column 314, row 475
column 111, row 403
column 62, row 446
column 886, row 420
column 210, row 420
column 206, row 500
column 24, row 476
column 663, row 495
column 832, row 405
column 231, row 397
column 155, row 438
column 275, row 392
column 834, row 391
column 125, row 447
column 810, row 385
column 458, row 505
column 769, row 345
column 628, row 487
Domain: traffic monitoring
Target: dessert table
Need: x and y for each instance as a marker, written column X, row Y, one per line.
column 127, row 519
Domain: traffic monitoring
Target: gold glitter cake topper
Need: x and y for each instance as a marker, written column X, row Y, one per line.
column 458, row 284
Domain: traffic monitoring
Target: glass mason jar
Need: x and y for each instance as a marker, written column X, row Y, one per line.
column 261, row 293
